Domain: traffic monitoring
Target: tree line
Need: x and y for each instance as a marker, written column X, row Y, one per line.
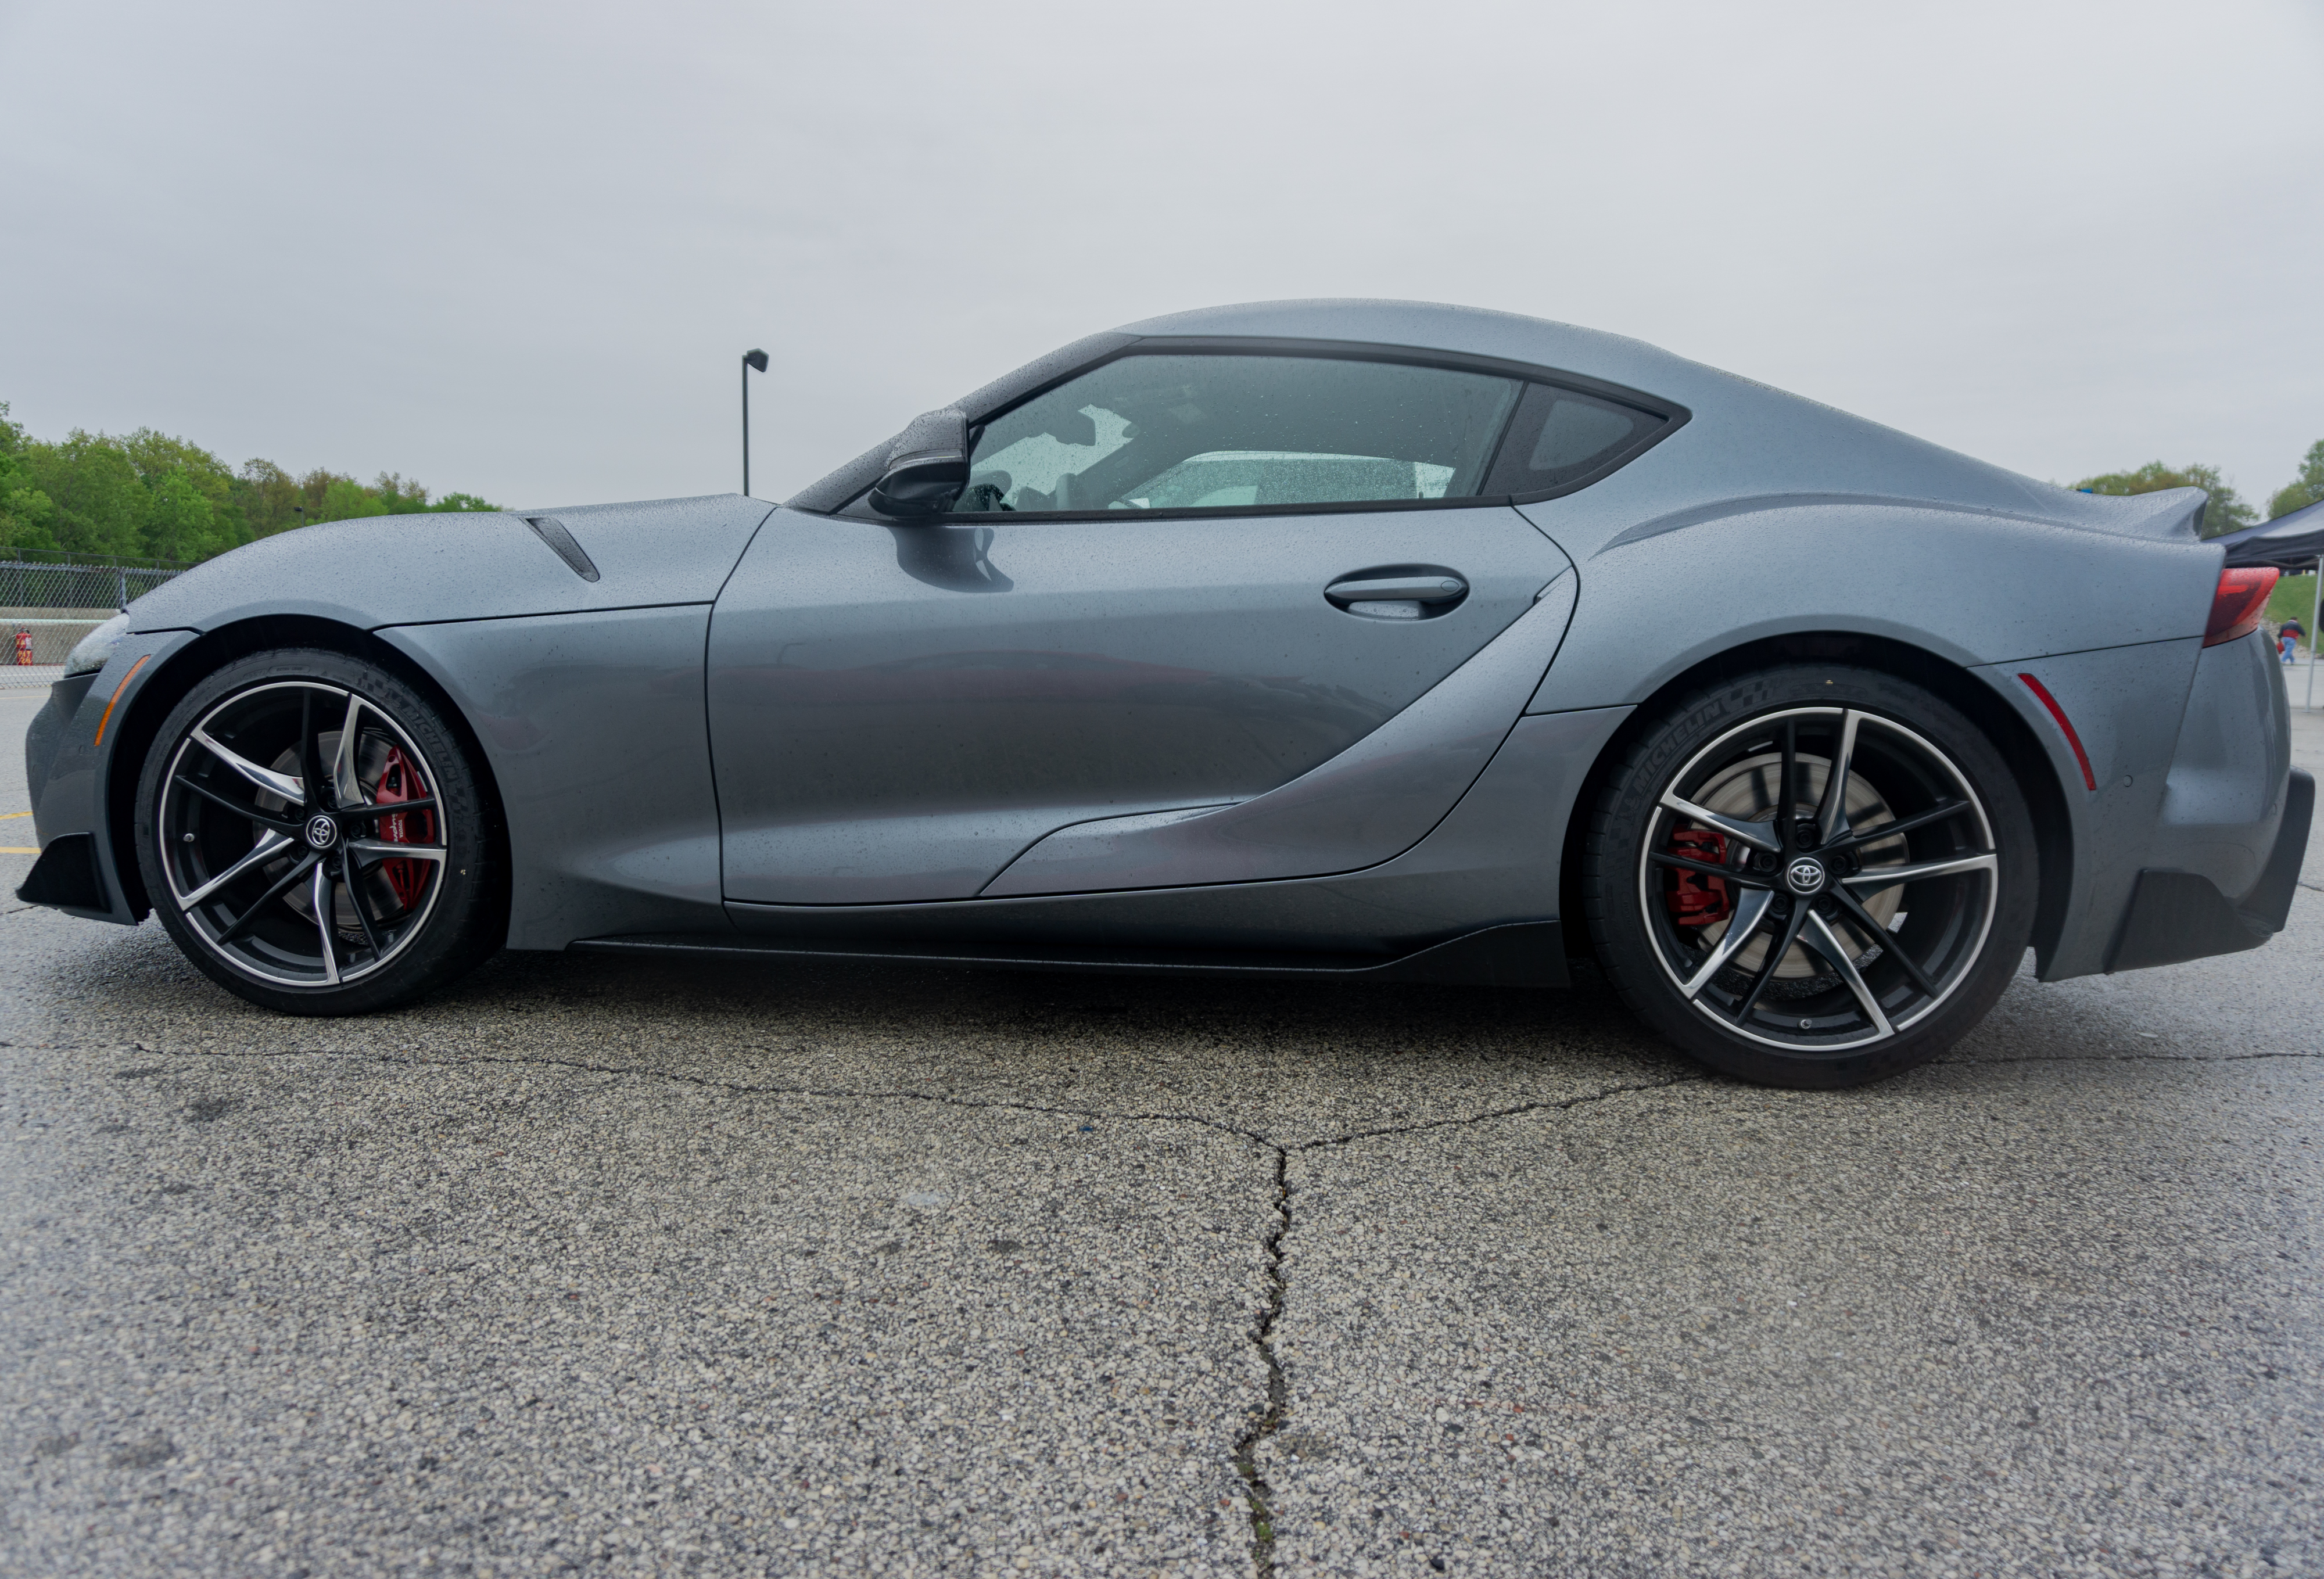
column 2227, row 511
column 147, row 496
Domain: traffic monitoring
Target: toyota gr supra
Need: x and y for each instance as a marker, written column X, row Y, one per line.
column 1335, row 641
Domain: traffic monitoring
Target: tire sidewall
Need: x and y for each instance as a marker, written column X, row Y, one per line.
column 457, row 932
column 1625, row 813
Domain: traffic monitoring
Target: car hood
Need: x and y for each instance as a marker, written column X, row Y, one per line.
column 411, row 569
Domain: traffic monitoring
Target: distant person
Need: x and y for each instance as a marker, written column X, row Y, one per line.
column 2287, row 640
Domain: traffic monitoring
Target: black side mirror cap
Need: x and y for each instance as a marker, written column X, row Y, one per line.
column 928, row 468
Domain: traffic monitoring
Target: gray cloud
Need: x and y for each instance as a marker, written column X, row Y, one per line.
column 518, row 249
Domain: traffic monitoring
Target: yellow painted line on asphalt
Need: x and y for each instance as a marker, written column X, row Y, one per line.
column 20, row 849
column 4, row 815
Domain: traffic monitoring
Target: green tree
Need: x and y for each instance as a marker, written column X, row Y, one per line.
column 195, row 513
column 2304, row 490
column 2226, row 513
column 345, row 499
column 25, row 511
column 338, row 498
column 182, row 524
column 152, row 494
column 157, row 454
column 399, row 497
column 266, row 496
column 101, row 502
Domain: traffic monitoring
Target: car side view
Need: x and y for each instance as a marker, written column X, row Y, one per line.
column 1337, row 640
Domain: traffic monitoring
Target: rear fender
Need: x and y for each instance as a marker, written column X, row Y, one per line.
column 2124, row 705
column 1969, row 588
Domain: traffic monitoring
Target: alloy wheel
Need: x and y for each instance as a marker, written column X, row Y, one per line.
column 300, row 833
column 1819, row 879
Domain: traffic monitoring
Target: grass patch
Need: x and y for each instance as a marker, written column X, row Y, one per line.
column 2293, row 597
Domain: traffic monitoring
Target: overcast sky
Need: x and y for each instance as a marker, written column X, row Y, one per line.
column 517, row 249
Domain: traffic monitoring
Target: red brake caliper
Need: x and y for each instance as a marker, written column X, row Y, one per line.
column 398, row 783
column 1696, row 901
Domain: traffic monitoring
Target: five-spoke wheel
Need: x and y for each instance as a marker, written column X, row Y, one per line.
column 314, row 838
column 1811, row 885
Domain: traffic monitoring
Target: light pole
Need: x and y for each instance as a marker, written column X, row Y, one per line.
column 751, row 359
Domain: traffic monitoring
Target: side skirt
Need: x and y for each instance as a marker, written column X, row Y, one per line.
column 1523, row 954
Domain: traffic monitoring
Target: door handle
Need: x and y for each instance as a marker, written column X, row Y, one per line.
column 1433, row 587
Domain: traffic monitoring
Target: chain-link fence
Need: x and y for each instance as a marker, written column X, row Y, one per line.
column 50, row 601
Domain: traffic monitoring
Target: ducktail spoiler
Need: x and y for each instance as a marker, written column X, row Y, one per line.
column 2173, row 513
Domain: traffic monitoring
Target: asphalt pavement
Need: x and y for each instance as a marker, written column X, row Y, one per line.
column 621, row 1267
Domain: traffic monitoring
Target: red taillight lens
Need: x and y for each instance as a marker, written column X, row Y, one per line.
column 2236, row 607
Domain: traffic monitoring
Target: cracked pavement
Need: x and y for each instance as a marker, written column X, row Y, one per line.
column 610, row 1266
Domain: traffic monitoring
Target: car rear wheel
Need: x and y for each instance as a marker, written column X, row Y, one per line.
column 314, row 837
column 1816, row 876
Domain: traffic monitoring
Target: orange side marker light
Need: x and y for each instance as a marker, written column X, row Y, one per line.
column 116, row 700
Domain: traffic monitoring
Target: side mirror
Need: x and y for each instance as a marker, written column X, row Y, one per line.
column 928, row 468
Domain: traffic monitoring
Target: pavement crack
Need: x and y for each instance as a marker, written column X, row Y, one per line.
column 982, row 1104
column 1258, row 1496
column 1516, row 1109
column 1267, row 1421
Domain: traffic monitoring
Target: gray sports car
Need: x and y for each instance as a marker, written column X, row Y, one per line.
column 1335, row 641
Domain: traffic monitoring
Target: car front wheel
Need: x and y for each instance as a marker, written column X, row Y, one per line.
column 1815, row 876
column 314, row 837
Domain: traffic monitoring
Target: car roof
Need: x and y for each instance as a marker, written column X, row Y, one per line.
column 1435, row 326
column 1748, row 439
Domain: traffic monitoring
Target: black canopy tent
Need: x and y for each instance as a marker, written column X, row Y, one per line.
column 2292, row 543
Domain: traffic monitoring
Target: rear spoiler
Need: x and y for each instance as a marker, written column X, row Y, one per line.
column 2172, row 514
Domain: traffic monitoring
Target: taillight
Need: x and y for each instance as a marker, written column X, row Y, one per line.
column 2236, row 607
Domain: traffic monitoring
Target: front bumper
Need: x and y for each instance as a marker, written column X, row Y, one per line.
column 71, row 755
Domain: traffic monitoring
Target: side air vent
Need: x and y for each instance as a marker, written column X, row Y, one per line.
column 551, row 530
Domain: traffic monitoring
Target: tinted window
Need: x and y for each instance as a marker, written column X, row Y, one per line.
column 1181, row 432
column 1560, row 437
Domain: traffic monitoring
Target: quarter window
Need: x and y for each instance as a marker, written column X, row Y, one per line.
column 1560, row 437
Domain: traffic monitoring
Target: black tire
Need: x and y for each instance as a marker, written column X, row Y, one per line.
column 245, row 797
column 1773, row 948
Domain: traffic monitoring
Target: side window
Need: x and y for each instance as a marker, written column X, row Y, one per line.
column 1191, row 432
column 1560, row 437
